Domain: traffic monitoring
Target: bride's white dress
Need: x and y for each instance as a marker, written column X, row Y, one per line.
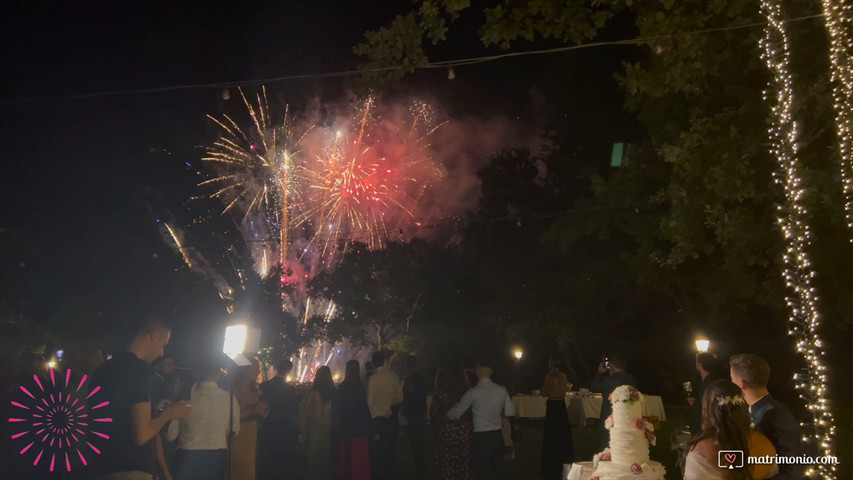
column 696, row 467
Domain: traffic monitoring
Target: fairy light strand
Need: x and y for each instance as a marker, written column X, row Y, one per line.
column 792, row 217
column 839, row 22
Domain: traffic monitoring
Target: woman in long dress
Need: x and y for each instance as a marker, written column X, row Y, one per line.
column 315, row 424
column 725, row 426
column 452, row 441
column 245, row 444
column 557, row 445
column 351, row 426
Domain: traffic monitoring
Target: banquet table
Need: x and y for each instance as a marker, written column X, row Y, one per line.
column 580, row 408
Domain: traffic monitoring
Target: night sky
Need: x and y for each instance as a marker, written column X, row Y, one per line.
column 84, row 179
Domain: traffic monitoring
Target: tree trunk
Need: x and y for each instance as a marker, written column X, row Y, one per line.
column 380, row 339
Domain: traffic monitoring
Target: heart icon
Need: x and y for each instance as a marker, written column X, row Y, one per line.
column 731, row 457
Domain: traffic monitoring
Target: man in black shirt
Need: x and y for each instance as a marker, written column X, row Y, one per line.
column 278, row 439
column 709, row 371
column 768, row 416
column 611, row 374
column 125, row 381
column 415, row 410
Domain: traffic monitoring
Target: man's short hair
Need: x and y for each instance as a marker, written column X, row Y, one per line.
column 708, row 361
column 752, row 369
column 486, row 362
column 209, row 368
column 284, row 367
column 378, row 359
column 618, row 361
column 152, row 325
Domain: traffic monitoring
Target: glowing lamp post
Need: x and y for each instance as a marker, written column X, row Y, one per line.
column 518, row 353
column 238, row 340
column 702, row 346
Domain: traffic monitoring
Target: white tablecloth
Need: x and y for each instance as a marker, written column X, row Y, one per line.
column 533, row 406
column 580, row 408
column 578, row 471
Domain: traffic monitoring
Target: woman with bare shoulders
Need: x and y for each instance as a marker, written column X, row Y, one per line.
column 245, row 444
column 725, row 426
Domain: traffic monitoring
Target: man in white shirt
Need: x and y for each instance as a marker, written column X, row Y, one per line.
column 489, row 402
column 384, row 391
column 202, row 444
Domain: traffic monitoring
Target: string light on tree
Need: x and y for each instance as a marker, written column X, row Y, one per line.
column 792, row 218
column 839, row 22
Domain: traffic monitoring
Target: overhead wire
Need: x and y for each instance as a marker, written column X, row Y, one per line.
column 429, row 65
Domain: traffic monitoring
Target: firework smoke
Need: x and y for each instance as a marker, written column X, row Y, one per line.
column 195, row 261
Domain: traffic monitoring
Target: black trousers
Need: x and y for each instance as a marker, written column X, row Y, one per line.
column 487, row 454
column 382, row 450
column 557, row 446
column 279, row 453
column 416, row 433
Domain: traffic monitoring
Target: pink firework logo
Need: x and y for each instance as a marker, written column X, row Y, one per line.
column 57, row 420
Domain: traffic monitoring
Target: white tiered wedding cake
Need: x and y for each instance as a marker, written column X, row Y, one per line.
column 630, row 435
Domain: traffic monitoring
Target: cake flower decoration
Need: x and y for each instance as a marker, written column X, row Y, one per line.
column 651, row 437
column 601, row 457
column 636, row 469
column 626, row 394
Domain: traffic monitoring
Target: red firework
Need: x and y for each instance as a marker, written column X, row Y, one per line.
column 368, row 178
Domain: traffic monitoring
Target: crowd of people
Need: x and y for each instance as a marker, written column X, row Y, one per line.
column 169, row 423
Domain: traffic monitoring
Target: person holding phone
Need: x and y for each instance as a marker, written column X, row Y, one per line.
column 125, row 382
column 611, row 374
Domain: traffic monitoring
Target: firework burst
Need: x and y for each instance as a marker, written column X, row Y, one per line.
column 55, row 420
column 358, row 179
column 255, row 172
column 368, row 178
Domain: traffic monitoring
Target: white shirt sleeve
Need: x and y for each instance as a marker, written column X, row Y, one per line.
column 508, row 410
column 235, row 410
column 372, row 395
column 458, row 409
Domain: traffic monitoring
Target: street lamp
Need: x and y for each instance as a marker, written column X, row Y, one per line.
column 703, row 345
column 518, row 354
